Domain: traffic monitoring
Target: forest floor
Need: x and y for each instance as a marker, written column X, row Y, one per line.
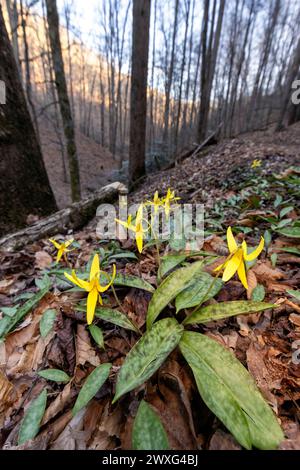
column 254, row 201
column 96, row 164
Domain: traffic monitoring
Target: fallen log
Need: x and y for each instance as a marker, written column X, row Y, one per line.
column 73, row 217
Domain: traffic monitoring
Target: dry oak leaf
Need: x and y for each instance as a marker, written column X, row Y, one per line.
column 42, row 259
column 84, row 350
column 252, row 283
column 264, row 272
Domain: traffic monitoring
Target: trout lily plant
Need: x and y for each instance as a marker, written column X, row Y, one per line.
column 181, row 303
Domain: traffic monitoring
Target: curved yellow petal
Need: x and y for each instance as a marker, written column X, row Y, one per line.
column 252, row 256
column 232, row 266
column 91, row 305
column 104, row 288
column 121, row 222
column 95, row 267
column 55, row 243
column 242, row 274
column 79, row 282
column 59, row 254
column 139, row 241
column 232, row 246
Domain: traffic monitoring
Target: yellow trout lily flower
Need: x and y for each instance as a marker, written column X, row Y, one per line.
column 256, row 163
column 62, row 248
column 237, row 258
column 168, row 200
column 156, row 203
column 92, row 286
column 137, row 228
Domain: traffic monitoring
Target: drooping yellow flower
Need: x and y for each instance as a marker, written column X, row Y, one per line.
column 168, row 200
column 137, row 228
column 156, row 203
column 92, row 286
column 256, row 163
column 62, row 248
column 237, row 258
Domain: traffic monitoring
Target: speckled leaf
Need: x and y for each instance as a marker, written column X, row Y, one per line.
column 55, row 375
column 115, row 317
column 225, row 310
column 147, row 355
column 47, row 322
column 170, row 288
column 132, row 281
column 230, row 392
column 170, row 262
column 258, row 293
column 32, row 419
column 112, row 316
column 195, row 293
column 97, row 335
column 290, row 232
column 294, row 293
column 91, row 386
column 8, row 323
column 148, row 432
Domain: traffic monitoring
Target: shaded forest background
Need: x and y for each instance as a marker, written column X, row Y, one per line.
column 214, row 66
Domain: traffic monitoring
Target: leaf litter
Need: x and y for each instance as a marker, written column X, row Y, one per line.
column 265, row 342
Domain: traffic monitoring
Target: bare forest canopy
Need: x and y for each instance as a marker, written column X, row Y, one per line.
column 242, row 50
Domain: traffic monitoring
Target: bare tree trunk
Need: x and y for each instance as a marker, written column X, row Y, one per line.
column 138, row 100
column 170, row 75
column 28, row 86
column 292, row 75
column 209, row 57
column 61, row 85
column 24, row 185
column 187, row 16
column 12, row 10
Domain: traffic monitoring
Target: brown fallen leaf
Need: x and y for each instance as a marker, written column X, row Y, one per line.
column 84, row 350
column 42, row 259
column 252, row 283
column 223, row 441
column 265, row 273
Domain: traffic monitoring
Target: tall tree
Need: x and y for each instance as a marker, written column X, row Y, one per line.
column 24, row 185
column 138, row 99
column 62, row 92
column 210, row 48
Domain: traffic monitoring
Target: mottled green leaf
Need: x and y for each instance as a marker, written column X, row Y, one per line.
column 112, row 316
column 230, row 392
column 117, row 318
column 294, row 293
column 170, row 262
column 285, row 211
column 293, row 250
column 170, row 288
column 274, row 258
column 32, row 419
column 267, row 238
column 97, row 335
column 290, row 232
column 258, row 293
column 91, row 386
column 225, row 310
column 47, row 322
column 55, row 375
column 198, row 291
column 148, row 432
column 8, row 323
column 147, row 355
column 132, row 281
column 10, row 311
